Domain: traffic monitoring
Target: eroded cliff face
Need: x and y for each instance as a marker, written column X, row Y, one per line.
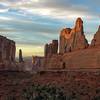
column 74, row 51
column 51, row 48
column 96, row 39
column 73, row 39
column 79, row 59
column 7, row 50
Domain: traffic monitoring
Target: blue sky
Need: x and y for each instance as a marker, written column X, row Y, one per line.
column 32, row 23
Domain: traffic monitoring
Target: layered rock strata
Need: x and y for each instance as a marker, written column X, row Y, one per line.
column 80, row 59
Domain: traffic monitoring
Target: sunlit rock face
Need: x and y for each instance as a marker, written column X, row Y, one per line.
column 51, row 48
column 7, row 50
column 73, row 39
column 96, row 39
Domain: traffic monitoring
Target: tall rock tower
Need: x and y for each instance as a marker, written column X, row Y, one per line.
column 51, row 48
column 7, row 49
column 73, row 39
column 96, row 39
column 20, row 56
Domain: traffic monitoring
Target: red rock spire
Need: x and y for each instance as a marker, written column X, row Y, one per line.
column 79, row 25
column 73, row 39
column 96, row 39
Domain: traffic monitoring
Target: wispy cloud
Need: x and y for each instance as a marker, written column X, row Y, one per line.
column 35, row 50
column 35, row 22
column 54, row 8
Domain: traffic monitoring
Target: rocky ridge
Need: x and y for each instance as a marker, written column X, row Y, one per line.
column 74, row 50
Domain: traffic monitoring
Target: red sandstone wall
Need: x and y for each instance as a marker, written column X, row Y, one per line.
column 86, row 58
column 7, row 53
column 74, row 50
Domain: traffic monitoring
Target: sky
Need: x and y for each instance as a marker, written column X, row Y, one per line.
column 33, row 23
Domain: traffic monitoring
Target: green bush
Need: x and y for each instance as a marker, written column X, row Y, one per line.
column 11, row 98
column 47, row 92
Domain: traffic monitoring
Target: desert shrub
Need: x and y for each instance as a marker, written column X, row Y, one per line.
column 11, row 98
column 96, row 98
column 47, row 92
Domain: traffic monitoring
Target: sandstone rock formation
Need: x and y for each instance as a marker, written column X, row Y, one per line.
column 96, row 39
column 7, row 50
column 46, row 49
column 20, row 56
column 51, row 48
column 38, row 62
column 81, row 59
column 54, row 46
column 73, row 39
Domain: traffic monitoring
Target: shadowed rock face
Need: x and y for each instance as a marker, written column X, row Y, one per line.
column 73, row 39
column 20, row 56
column 96, row 39
column 7, row 50
column 55, row 46
column 46, row 50
column 51, row 48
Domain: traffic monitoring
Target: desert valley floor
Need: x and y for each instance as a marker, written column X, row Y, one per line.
column 77, row 85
